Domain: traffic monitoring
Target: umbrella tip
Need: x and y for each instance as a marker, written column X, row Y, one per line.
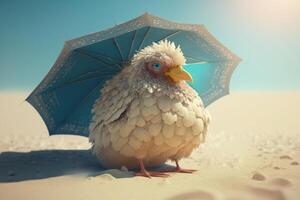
column 147, row 14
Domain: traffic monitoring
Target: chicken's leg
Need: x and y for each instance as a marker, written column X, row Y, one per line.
column 178, row 169
column 149, row 174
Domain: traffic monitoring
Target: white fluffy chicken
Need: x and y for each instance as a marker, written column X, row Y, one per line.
column 148, row 114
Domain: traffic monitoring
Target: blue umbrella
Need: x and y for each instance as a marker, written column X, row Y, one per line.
column 65, row 97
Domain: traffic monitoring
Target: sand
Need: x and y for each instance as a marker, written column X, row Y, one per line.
column 252, row 152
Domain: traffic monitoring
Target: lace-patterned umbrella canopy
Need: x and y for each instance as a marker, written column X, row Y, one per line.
column 65, row 97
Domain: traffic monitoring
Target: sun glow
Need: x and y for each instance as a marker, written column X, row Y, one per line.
column 271, row 14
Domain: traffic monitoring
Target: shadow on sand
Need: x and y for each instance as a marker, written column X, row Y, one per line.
column 22, row 166
column 33, row 165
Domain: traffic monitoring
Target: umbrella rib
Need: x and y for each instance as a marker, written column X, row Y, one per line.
column 110, row 59
column 170, row 35
column 106, row 57
column 69, row 83
column 196, row 59
column 75, row 81
column 66, row 84
column 202, row 62
column 81, row 78
column 118, row 47
column 144, row 38
column 132, row 41
column 97, row 59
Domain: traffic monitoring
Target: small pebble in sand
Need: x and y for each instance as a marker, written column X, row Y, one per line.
column 258, row 176
column 285, row 157
column 276, row 167
column 294, row 163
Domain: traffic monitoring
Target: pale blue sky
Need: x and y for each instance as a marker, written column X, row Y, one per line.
column 264, row 33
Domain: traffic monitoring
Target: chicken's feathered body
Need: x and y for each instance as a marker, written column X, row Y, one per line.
column 139, row 117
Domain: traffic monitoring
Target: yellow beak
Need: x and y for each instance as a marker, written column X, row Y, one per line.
column 179, row 74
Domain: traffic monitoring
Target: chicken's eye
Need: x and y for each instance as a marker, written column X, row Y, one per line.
column 156, row 66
